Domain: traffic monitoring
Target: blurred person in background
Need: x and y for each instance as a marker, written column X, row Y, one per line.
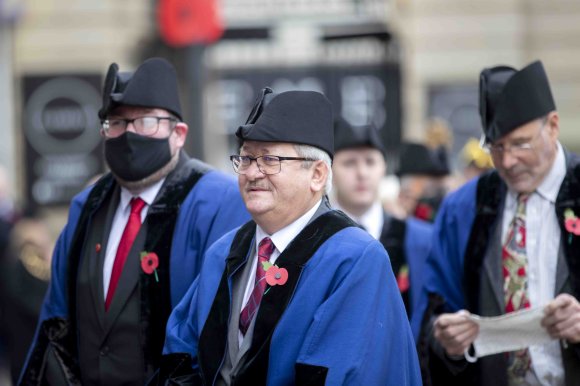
column 24, row 276
column 134, row 240
column 508, row 241
column 476, row 160
column 358, row 168
column 422, row 174
column 300, row 295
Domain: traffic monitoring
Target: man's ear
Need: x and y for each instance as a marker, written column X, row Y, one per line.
column 554, row 124
column 180, row 130
column 319, row 175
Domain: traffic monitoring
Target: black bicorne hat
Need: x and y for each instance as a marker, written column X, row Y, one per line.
column 153, row 85
column 301, row 117
column 509, row 98
column 418, row 159
column 347, row 136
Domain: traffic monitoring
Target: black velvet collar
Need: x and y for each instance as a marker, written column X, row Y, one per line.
column 490, row 193
column 213, row 339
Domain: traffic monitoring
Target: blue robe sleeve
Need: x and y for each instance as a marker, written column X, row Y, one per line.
column 418, row 241
column 213, row 207
column 369, row 350
column 444, row 268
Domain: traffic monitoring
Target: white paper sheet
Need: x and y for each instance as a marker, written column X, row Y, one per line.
column 509, row 332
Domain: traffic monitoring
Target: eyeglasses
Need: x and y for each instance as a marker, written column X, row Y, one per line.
column 516, row 149
column 146, row 126
column 267, row 164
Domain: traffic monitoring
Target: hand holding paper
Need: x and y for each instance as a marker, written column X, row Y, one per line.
column 562, row 318
column 455, row 332
column 509, row 332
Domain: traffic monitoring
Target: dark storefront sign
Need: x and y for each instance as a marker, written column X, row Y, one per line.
column 63, row 147
column 361, row 94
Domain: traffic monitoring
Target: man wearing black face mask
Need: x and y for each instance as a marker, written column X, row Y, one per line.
column 134, row 240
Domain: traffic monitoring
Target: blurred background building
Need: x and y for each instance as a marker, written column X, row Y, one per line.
column 395, row 64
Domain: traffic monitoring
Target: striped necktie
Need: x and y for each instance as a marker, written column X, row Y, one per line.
column 265, row 250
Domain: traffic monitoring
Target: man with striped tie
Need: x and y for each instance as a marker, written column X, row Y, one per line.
column 508, row 241
column 300, row 295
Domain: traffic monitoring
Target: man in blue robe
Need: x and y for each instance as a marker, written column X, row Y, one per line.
column 502, row 244
column 358, row 167
column 134, row 240
column 329, row 311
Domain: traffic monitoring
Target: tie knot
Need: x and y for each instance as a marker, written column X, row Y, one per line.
column 266, row 248
column 523, row 198
column 137, row 205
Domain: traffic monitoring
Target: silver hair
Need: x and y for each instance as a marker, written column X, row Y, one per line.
column 315, row 153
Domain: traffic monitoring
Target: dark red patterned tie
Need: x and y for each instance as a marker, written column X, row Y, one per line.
column 265, row 250
column 515, row 265
column 127, row 239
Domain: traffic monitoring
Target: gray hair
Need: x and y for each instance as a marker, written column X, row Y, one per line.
column 315, row 153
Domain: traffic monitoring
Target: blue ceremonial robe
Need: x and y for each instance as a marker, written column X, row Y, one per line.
column 339, row 319
column 210, row 205
column 455, row 270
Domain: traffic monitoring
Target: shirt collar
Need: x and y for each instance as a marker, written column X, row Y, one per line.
column 284, row 236
column 148, row 195
column 550, row 186
column 372, row 220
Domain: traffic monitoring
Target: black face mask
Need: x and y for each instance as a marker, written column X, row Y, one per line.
column 133, row 157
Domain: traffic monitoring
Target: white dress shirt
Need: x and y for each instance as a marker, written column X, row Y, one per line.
column 372, row 220
column 281, row 239
column 542, row 245
column 119, row 223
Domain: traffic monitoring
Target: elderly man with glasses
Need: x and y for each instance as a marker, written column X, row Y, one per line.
column 134, row 240
column 508, row 241
column 300, row 295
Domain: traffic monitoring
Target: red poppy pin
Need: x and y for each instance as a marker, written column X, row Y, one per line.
column 274, row 274
column 424, row 212
column 98, row 247
column 149, row 263
column 403, row 279
column 572, row 223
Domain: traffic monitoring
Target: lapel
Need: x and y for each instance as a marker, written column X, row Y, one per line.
column 213, row 338
column 128, row 280
column 101, row 225
column 492, row 271
column 99, row 194
column 239, row 285
column 562, row 272
column 489, row 195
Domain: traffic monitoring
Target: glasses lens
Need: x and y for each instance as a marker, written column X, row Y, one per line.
column 146, row 125
column 269, row 164
column 114, row 127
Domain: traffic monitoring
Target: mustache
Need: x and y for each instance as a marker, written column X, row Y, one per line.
column 257, row 185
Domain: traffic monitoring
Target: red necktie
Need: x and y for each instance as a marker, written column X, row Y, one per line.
column 129, row 234
column 265, row 250
column 515, row 265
